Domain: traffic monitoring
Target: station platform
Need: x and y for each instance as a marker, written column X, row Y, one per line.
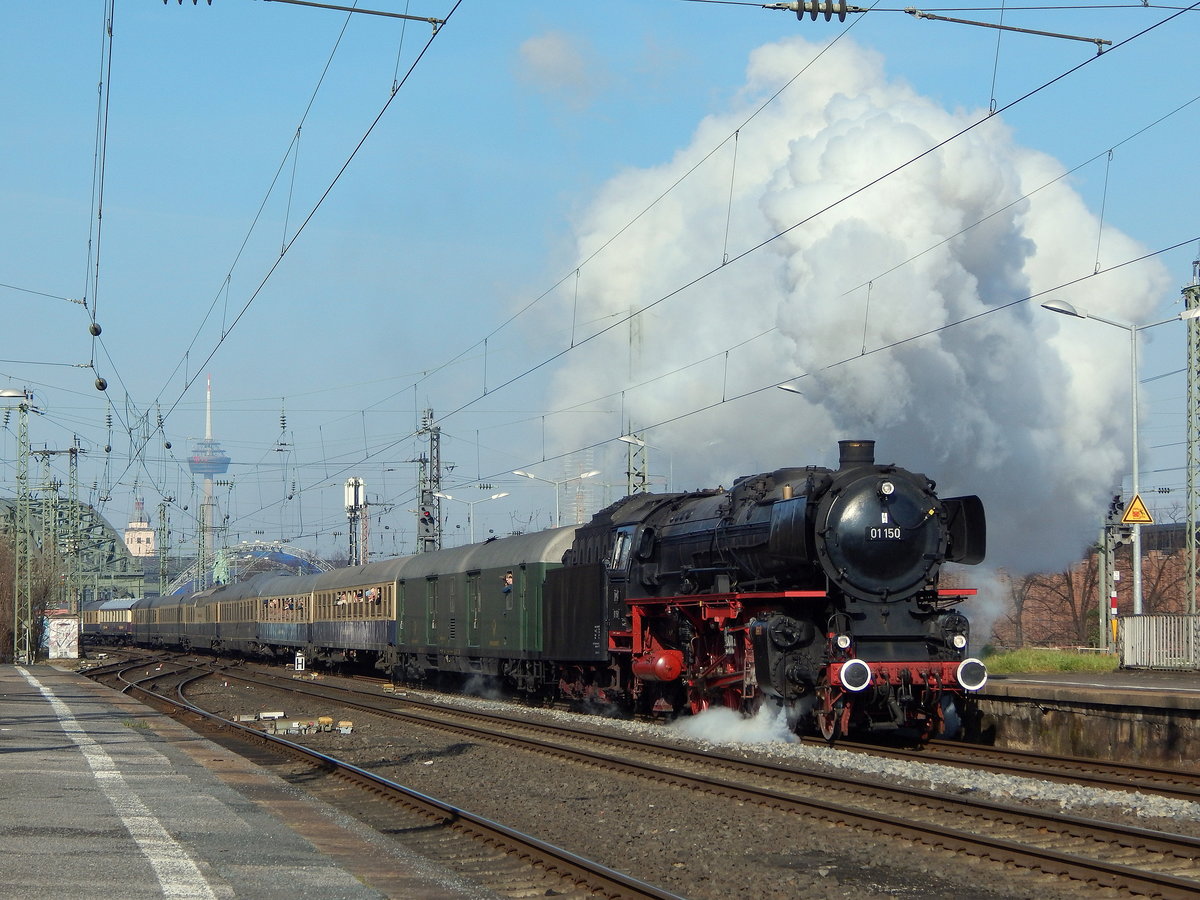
column 1159, row 689
column 1143, row 716
column 103, row 797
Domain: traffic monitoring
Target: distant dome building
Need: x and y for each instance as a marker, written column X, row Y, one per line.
column 139, row 536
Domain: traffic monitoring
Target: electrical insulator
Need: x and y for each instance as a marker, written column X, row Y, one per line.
column 828, row 8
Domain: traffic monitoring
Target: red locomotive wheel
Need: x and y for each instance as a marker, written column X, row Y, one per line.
column 833, row 712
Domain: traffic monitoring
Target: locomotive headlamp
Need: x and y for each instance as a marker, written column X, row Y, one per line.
column 887, row 489
column 842, row 641
column 972, row 674
column 855, row 675
column 959, row 641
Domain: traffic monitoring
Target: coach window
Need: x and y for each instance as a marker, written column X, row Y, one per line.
column 622, row 545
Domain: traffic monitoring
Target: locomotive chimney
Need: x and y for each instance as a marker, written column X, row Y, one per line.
column 856, row 453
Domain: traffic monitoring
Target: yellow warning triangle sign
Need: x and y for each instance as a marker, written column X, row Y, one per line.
column 1136, row 513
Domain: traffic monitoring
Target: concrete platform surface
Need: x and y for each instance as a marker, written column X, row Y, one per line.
column 1148, row 688
column 102, row 797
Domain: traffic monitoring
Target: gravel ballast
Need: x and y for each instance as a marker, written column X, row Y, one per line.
column 700, row 846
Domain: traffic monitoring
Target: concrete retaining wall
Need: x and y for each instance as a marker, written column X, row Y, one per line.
column 1155, row 728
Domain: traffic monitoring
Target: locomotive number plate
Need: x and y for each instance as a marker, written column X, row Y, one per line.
column 884, row 533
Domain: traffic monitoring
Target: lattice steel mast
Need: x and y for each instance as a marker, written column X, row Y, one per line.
column 1191, row 300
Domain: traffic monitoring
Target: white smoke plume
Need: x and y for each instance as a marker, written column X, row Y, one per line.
column 727, row 726
column 1027, row 409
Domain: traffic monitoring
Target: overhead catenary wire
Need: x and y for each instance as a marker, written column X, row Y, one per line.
column 492, row 389
column 191, row 376
column 313, row 211
column 576, row 273
column 641, row 213
column 900, row 342
column 93, row 267
column 292, row 151
column 576, row 270
column 523, row 310
column 822, row 211
column 793, row 377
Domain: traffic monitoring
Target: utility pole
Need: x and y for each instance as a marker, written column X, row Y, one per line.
column 1191, row 300
column 1113, row 534
column 356, row 506
column 636, row 466
column 164, row 534
column 74, row 528
column 429, row 506
column 23, row 644
column 48, row 511
column 61, row 533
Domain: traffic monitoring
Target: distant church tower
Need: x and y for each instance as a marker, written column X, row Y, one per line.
column 139, row 536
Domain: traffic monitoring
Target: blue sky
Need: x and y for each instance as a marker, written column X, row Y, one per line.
column 438, row 270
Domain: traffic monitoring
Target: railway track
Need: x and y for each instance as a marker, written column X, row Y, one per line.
column 1133, row 860
column 1103, row 775
column 499, row 858
column 1158, row 781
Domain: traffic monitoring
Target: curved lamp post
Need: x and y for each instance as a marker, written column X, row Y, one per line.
column 1067, row 309
column 557, row 486
column 471, row 507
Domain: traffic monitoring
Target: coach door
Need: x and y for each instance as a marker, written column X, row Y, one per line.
column 431, row 610
column 473, row 601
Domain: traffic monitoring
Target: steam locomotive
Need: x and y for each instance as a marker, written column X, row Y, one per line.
column 813, row 590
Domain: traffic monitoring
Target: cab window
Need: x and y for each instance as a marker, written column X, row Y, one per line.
column 622, row 546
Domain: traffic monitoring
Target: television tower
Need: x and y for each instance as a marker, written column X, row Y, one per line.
column 207, row 460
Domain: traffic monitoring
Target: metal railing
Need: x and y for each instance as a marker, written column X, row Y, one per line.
column 1160, row 642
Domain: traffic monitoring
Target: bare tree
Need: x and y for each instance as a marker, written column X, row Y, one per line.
column 46, row 572
column 1061, row 607
column 1164, row 582
column 1009, row 629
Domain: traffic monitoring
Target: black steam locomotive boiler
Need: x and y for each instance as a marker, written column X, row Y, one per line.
column 814, row 589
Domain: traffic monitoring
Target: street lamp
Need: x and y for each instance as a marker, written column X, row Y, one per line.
column 1067, row 309
column 471, row 507
column 557, row 486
